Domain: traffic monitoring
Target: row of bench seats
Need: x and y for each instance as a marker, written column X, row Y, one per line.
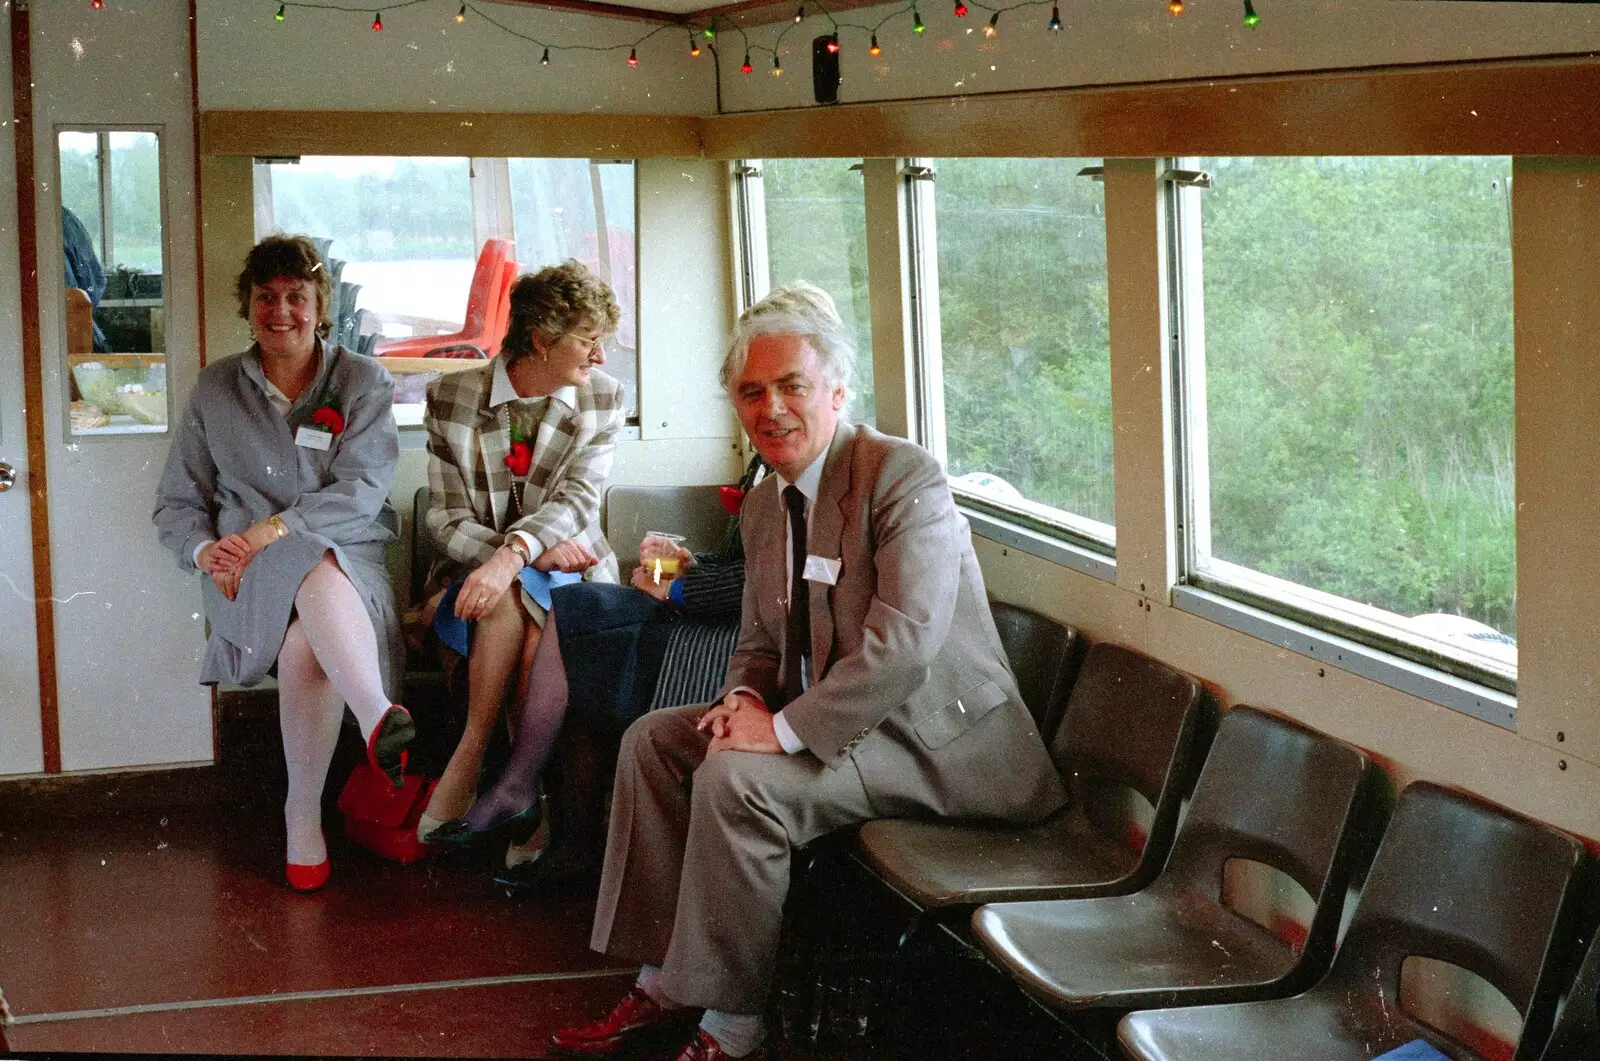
column 1083, row 918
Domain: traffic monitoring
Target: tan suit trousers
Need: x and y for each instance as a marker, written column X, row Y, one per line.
column 697, row 861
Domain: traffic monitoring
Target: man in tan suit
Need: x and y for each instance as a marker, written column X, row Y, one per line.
column 891, row 698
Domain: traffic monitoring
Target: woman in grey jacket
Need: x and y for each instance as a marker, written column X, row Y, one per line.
column 276, row 488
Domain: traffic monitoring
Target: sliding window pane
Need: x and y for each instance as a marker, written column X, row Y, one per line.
column 817, row 231
column 401, row 226
column 1358, row 405
column 561, row 206
column 1027, row 356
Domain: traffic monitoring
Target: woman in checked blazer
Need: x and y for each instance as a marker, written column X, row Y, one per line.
column 518, row 453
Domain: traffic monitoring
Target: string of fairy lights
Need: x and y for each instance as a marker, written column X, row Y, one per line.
column 719, row 25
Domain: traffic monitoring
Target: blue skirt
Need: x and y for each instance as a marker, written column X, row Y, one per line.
column 456, row 633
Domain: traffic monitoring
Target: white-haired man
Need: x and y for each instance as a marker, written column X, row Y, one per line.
column 868, row 682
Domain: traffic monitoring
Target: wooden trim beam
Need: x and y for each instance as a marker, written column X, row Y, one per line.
column 44, row 616
column 1524, row 107
column 293, row 133
column 594, row 7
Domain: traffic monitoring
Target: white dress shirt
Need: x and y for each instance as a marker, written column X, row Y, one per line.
column 500, row 392
column 808, row 484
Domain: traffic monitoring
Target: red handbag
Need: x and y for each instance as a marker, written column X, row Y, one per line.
column 383, row 819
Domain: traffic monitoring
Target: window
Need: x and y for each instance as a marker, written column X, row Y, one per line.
column 114, row 310
column 401, row 226
column 407, row 232
column 1348, row 430
column 1025, row 340
column 816, row 230
column 560, row 207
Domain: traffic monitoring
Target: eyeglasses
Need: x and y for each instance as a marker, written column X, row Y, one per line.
column 589, row 345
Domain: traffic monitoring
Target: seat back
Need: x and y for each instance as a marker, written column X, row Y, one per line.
column 1131, row 721
column 1313, row 829
column 631, row 512
column 487, row 283
column 485, row 290
column 422, row 547
column 499, row 316
column 1460, row 881
column 1577, row 1032
column 1044, row 655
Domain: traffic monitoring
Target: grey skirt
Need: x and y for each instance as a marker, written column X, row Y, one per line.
column 247, row 632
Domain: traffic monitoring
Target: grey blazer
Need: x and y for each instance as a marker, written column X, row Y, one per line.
column 908, row 677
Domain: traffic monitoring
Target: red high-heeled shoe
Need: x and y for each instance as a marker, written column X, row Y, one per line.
column 306, row 878
column 386, row 746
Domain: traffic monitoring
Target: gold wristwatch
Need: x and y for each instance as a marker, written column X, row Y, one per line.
column 520, row 547
column 278, row 525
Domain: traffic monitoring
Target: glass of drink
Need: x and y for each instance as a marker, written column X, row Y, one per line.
column 662, row 555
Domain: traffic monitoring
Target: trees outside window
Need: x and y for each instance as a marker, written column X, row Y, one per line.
column 817, row 231
column 1024, row 324
column 1357, row 394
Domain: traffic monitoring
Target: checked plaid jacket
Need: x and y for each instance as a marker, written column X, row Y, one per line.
column 469, row 485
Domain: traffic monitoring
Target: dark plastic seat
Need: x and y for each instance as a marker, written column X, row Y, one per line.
column 1175, row 943
column 1044, row 655
column 1455, row 880
column 1131, row 721
column 1577, row 1032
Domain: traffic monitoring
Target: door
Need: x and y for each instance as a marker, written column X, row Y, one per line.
column 113, row 140
column 21, row 733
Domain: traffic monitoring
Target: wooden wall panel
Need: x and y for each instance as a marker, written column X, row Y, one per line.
column 290, row 133
column 1535, row 107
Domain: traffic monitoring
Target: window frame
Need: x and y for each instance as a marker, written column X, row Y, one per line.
column 1311, row 622
column 1085, row 545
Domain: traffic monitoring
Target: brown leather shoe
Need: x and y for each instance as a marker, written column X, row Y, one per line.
column 636, row 1024
column 704, row 1047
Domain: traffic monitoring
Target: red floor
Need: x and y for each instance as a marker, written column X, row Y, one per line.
column 170, row 931
column 184, row 932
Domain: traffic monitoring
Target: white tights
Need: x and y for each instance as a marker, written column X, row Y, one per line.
column 329, row 659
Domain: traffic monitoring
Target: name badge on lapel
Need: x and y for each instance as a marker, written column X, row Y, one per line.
column 821, row 569
column 313, row 438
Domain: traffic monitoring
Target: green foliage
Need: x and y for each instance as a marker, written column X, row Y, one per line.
column 1359, row 378
column 817, row 231
column 421, row 210
column 1357, row 355
column 1024, row 328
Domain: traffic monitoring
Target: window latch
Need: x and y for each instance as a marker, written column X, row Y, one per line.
column 1188, row 178
column 1094, row 173
column 917, row 173
column 747, row 171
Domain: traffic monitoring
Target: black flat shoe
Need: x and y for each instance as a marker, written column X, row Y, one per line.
column 518, row 827
column 550, row 873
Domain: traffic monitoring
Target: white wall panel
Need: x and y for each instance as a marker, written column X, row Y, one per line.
column 424, row 61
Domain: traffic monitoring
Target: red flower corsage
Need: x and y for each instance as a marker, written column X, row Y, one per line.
column 328, row 419
column 732, row 498
column 520, row 459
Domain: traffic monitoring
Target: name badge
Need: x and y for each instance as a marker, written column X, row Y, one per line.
column 821, row 569
column 311, row 438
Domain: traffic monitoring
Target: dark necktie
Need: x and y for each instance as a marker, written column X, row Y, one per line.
column 797, row 636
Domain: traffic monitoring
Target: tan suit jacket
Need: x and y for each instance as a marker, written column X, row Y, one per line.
column 908, row 678
column 911, row 711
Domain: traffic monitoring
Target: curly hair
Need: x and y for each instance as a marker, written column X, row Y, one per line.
column 295, row 257
column 800, row 309
column 552, row 302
